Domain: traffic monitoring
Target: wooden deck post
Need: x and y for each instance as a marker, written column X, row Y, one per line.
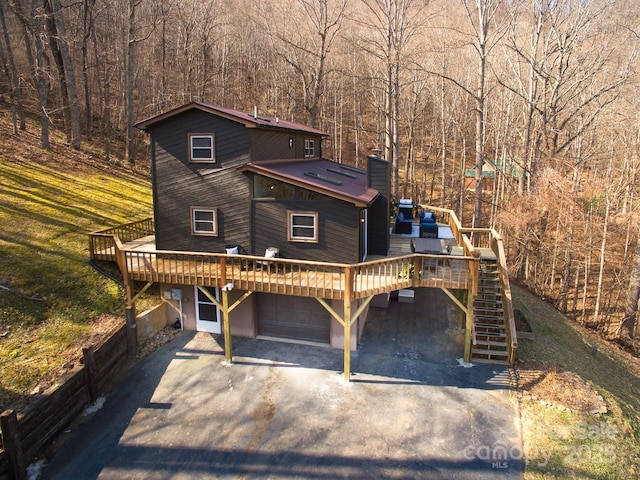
column 12, row 445
column 468, row 331
column 227, row 325
column 346, row 315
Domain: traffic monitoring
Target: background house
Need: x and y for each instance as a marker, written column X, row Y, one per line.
column 224, row 179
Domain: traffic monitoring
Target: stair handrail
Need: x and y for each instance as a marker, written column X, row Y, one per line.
column 497, row 246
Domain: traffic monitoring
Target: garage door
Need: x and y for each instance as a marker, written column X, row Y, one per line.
column 296, row 318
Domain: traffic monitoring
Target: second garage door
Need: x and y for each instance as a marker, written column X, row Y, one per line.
column 297, row 318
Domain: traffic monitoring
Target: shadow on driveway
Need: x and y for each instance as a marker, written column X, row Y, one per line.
column 284, row 410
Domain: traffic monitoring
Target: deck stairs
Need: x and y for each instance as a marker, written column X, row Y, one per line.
column 489, row 337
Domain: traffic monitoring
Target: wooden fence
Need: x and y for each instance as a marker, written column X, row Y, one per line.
column 26, row 435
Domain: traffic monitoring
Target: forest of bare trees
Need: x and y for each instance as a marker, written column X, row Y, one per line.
column 518, row 114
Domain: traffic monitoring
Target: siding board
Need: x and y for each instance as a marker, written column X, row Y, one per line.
column 179, row 185
column 338, row 238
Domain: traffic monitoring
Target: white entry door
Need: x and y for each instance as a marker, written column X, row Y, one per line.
column 207, row 314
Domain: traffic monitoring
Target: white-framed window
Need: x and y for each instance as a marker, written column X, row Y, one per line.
column 303, row 227
column 309, row 148
column 204, row 221
column 202, row 148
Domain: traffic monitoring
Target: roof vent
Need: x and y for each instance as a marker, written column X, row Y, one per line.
column 323, row 178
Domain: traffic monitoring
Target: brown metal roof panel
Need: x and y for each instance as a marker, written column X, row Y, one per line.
column 248, row 119
column 325, row 176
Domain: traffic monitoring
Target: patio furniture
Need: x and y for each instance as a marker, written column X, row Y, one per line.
column 429, row 246
column 428, row 225
column 404, row 224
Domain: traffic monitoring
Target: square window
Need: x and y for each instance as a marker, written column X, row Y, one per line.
column 204, row 221
column 309, row 148
column 201, row 148
column 303, row 227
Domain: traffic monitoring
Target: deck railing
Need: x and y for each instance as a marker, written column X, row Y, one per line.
column 509, row 319
column 296, row 277
column 101, row 242
column 307, row 278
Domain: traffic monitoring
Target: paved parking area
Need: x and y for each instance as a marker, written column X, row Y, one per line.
column 284, row 411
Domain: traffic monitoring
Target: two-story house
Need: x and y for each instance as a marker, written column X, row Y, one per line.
column 226, row 181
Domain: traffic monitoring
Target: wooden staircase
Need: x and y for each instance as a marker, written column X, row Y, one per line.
column 489, row 342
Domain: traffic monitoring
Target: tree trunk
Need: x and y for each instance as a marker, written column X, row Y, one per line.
column 129, row 83
column 40, row 77
column 87, row 26
column 69, row 75
column 627, row 327
column 16, row 93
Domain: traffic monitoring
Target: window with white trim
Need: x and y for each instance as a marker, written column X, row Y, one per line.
column 204, row 221
column 202, row 148
column 303, row 227
column 309, row 148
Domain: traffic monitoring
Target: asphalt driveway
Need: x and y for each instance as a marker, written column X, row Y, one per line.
column 284, row 411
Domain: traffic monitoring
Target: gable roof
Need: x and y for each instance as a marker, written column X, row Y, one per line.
column 250, row 120
column 319, row 175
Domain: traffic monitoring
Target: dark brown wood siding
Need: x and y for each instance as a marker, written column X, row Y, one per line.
column 271, row 145
column 338, row 230
column 179, row 185
column 378, row 177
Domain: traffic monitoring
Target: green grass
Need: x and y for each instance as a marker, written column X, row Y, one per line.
column 49, row 201
column 579, row 444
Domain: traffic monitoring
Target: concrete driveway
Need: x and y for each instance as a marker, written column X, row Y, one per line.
column 284, row 410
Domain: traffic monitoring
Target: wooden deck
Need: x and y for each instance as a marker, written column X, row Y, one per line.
column 132, row 247
column 140, row 261
column 295, row 277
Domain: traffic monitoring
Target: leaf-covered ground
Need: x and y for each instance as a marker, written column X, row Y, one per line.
column 579, row 399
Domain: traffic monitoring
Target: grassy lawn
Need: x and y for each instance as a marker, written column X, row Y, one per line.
column 579, row 399
column 52, row 303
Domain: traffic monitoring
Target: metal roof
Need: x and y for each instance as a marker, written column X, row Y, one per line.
column 250, row 120
column 319, row 175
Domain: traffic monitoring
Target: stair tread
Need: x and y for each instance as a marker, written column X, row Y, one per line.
column 494, row 329
column 496, row 353
column 490, row 343
column 489, row 360
column 491, row 334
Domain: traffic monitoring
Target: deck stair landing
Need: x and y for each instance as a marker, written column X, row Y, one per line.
column 489, row 338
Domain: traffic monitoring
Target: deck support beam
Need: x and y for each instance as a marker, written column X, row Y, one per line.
column 347, row 320
column 226, row 310
column 468, row 331
column 139, row 294
column 455, row 299
column 228, row 355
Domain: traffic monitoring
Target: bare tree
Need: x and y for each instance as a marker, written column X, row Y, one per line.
column 627, row 327
column 308, row 54
column 12, row 73
column 390, row 26
column 66, row 76
column 481, row 20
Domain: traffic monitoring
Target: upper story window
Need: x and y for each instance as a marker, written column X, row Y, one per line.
column 204, row 221
column 303, row 227
column 202, row 148
column 309, row 148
